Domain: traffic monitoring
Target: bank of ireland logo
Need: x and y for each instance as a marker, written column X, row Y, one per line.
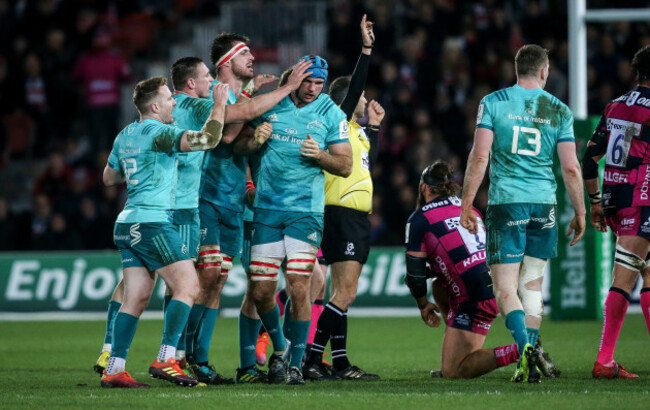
column 136, row 236
column 551, row 218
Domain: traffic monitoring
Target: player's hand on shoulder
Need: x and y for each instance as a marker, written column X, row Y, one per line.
column 429, row 315
column 298, row 74
column 376, row 113
column 367, row 34
column 597, row 218
column 468, row 220
column 577, row 228
column 220, row 93
column 310, row 148
column 263, row 132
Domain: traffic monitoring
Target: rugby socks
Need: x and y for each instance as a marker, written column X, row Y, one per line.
column 506, row 354
column 327, row 323
column 613, row 315
column 166, row 300
column 645, row 306
column 271, row 322
column 113, row 309
column 248, row 332
column 316, row 310
column 175, row 320
column 281, row 299
column 123, row 331
column 533, row 334
column 193, row 323
column 204, row 338
column 338, row 342
column 517, row 327
column 296, row 331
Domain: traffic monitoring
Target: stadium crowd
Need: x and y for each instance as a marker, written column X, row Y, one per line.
column 64, row 63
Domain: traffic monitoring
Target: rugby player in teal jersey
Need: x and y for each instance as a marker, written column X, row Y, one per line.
column 518, row 129
column 222, row 190
column 310, row 134
column 144, row 157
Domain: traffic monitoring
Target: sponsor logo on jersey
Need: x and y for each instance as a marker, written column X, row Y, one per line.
column 313, row 237
column 518, row 222
column 645, row 227
column 443, row 269
column 184, row 249
column 344, row 130
column 477, row 257
column 272, row 118
column 628, row 221
column 433, row 205
column 291, row 131
column 452, row 223
column 136, row 236
column 644, row 185
column 463, row 320
column 615, row 177
column 349, row 250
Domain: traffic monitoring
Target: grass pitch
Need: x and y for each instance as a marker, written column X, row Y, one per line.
column 49, row 365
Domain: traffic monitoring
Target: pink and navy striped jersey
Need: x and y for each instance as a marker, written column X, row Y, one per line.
column 453, row 253
column 623, row 136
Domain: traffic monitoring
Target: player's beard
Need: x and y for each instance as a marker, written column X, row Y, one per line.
column 243, row 73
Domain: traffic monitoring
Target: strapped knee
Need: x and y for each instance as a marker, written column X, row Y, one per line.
column 262, row 268
column 628, row 260
column 532, row 269
column 209, row 257
column 226, row 264
column 301, row 263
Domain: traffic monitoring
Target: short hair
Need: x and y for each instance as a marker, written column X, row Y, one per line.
column 641, row 63
column 438, row 177
column 146, row 90
column 529, row 59
column 224, row 42
column 183, row 69
column 339, row 89
column 284, row 77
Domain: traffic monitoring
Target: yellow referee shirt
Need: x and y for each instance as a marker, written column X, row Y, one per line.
column 355, row 191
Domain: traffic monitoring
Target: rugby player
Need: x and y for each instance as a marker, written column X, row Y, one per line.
column 142, row 156
column 462, row 287
column 517, row 131
column 622, row 137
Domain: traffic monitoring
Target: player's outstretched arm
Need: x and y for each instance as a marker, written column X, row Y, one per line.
column 112, row 176
column 476, row 165
column 210, row 135
column 338, row 161
column 257, row 106
column 572, row 175
column 360, row 73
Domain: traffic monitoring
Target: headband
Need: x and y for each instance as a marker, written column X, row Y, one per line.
column 236, row 49
column 430, row 179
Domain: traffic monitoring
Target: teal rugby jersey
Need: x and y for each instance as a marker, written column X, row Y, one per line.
column 286, row 180
column 527, row 126
column 190, row 113
column 145, row 153
column 224, row 174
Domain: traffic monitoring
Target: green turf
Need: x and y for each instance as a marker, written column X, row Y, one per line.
column 49, row 364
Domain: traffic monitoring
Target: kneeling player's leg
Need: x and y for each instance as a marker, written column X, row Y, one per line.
column 627, row 264
column 463, row 356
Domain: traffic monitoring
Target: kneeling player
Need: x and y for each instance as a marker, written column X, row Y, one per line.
column 463, row 285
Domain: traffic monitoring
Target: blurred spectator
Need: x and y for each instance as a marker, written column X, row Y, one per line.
column 7, row 227
column 96, row 232
column 58, row 236
column 36, row 101
column 54, row 182
column 101, row 74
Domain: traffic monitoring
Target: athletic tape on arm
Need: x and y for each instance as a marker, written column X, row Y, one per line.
column 207, row 138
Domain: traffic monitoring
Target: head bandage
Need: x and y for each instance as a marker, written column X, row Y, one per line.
column 318, row 67
column 236, row 49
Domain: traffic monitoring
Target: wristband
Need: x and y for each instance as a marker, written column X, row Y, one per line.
column 365, row 46
column 373, row 127
column 249, row 186
column 595, row 198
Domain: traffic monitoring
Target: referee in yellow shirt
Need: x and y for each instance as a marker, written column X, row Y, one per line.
column 346, row 233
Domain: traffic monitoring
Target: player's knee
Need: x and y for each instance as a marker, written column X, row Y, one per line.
column 264, row 269
column 628, row 260
column 209, row 258
column 300, row 263
column 530, row 285
column 449, row 371
column 226, row 264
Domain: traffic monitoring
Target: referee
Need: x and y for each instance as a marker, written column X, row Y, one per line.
column 346, row 234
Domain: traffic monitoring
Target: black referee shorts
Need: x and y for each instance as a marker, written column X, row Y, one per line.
column 346, row 235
